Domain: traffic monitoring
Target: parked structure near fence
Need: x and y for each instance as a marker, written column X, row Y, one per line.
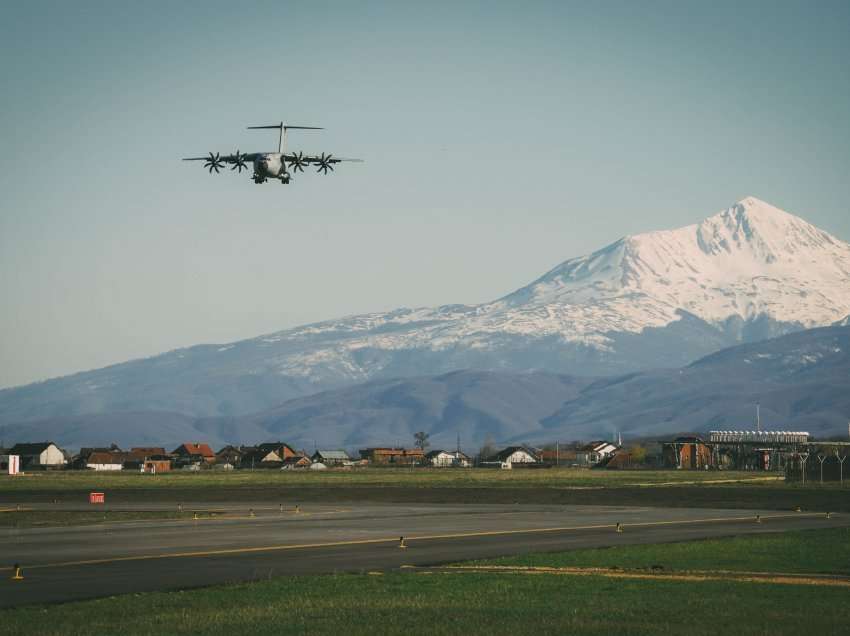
column 687, row 453
column 756, row 450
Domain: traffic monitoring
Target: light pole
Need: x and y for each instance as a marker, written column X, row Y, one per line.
column 804, row 457
column 841, row 459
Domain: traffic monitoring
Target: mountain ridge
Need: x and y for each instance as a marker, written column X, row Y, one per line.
column 802, row 381
column 657, row 299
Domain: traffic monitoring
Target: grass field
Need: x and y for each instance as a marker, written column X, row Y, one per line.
column 486, row 603
column 812, row 552
column 726, row 489
column 379, row 477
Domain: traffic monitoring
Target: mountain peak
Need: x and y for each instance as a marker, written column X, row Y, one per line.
column 750, row 260
column 756, row 230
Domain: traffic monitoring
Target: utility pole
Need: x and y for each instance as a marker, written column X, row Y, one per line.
column 557, row 453
column 758, row 416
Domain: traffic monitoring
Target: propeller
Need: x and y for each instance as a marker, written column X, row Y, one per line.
column 239, row 162
column 325, row 163
column 297, row 162
column 214, row 162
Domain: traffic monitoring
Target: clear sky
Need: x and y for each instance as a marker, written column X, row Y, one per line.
column 500, row 138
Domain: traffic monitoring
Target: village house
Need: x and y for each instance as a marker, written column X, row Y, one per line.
column 594, row 452
column 386, row 455
column 279, row 448
column 448, row 459
column 561, row 456
column 259, row 457
column 79, row 461
column 193, row 453
column 229, row 455
column 155, row 464
column 331, row 457
column 299, row 461
column 39, row 455
column 105, row 460
column 511, row 455
column 618, row 460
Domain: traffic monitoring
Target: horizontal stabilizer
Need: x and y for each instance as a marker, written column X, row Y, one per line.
column 286, row 127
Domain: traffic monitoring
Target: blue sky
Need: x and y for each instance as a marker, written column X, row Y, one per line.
column 499, row 138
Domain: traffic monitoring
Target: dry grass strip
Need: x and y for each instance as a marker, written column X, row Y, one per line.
column 826, row 580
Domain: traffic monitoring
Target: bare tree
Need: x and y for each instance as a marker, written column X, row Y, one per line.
column 488, row 449
column 420, row 440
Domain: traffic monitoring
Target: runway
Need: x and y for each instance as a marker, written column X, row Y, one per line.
column 254, row 541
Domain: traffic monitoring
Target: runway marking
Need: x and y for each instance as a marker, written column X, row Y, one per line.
column 744, row 480
column 394, row 540
column 213, row 515
column 689, row 575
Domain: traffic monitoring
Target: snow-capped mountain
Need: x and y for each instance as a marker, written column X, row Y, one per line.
column 657, row 299
column 752, row 263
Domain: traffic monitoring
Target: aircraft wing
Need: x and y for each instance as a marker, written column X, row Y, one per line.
column 317, row 159
column 247, row 157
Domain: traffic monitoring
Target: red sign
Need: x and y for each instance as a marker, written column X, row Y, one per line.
column 97, row 498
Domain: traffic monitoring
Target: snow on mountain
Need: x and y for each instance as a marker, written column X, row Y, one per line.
column 750, row 262
column 659, row 299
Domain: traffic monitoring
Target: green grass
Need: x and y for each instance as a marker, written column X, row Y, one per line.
column 51, row 518
column 481, row 603
column 374, row 477
column 451, row 604
column 810, row 551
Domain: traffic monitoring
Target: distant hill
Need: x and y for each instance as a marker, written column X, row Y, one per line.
column 653, row 300
column 802, row 381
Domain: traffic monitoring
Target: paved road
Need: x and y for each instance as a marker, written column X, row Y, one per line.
column 68, row 563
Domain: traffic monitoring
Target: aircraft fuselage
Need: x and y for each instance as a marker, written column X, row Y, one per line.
column 270, row 165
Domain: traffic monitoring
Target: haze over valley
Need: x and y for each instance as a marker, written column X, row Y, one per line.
column 525, row 367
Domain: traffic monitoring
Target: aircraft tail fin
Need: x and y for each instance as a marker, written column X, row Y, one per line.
column 281, row 144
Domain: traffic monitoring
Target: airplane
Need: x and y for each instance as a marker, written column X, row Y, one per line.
column 272, row 165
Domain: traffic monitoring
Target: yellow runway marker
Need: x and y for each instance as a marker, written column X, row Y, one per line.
column 394, row 540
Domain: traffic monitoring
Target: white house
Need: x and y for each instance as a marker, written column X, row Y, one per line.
column 38, row 454
column 513, row 455
column 446, row 459
column 593, row 453
column 105, row 461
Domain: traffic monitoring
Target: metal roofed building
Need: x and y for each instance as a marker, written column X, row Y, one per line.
column 759, row 437
column 331, row 457
column 756, row 450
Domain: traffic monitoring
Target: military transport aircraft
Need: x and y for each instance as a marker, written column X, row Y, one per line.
column 272, row 165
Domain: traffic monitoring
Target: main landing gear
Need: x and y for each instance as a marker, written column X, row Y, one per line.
column 258, row 179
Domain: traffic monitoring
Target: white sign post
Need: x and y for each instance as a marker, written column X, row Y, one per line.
column 14, row 464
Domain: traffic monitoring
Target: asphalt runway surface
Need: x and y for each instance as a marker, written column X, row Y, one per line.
column 255, row 541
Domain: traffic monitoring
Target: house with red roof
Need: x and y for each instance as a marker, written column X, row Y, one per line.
column 194, row 452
